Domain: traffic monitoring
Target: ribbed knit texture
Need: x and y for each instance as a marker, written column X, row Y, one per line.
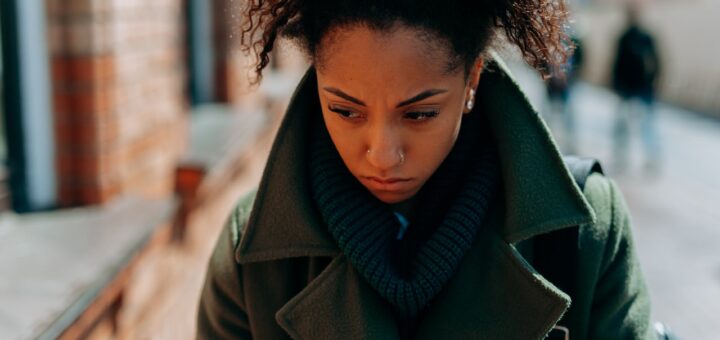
column 365, row 228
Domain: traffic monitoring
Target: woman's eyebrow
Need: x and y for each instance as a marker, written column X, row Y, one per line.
column 344, row 95
column 422, row 95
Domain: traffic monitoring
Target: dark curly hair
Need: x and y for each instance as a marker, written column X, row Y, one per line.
column 537, row 27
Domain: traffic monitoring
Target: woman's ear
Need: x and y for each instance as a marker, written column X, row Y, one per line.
column 472, row 84
column 475, row 72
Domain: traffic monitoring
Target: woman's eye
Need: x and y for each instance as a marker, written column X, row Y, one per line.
column 421, row 115
column 345, row 113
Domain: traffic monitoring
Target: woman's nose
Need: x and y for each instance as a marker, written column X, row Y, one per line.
column 384, row 151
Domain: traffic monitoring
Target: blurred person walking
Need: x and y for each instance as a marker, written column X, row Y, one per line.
column 559, row 86
column 635, row 75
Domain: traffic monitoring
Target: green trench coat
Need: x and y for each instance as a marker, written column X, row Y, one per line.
column 276, row 272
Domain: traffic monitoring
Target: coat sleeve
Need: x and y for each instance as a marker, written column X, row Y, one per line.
column 222, row 313
column 620, row 307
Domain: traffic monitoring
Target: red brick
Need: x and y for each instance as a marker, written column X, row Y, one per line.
column 100, row 194
column 73, row 193
column 67, row 196
column 71, row 135
column 83, row 101
column 73, row 71
column 83, row 70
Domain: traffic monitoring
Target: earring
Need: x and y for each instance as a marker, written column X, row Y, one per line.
column 471, row 101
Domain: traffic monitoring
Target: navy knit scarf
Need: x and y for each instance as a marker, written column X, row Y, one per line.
column 366, row 228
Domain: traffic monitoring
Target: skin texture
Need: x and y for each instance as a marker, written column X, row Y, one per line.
column 364, row 76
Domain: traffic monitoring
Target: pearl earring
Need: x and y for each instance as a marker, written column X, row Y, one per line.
column 471, row 101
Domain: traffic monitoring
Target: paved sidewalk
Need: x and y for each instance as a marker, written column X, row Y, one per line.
column 676, row 211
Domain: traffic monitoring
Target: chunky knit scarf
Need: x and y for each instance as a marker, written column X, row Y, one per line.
column 366, row 228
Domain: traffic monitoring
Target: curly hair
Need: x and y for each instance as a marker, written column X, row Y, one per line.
column 536, row 27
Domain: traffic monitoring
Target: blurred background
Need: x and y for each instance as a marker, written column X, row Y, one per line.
column 128, row 130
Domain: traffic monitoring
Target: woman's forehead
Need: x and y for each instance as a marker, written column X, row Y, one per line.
column 360, row 43
column 367, row 57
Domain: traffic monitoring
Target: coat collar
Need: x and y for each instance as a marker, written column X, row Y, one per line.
column 539, row 192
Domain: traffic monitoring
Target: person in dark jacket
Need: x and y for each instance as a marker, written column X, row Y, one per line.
column 407, row 187
column 635, row 75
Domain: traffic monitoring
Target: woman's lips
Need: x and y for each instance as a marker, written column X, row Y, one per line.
column 387, row 184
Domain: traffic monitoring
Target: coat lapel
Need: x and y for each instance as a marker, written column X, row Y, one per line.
column 338, row 304
column 494, row 295
column 540, row 193
column 291, row 225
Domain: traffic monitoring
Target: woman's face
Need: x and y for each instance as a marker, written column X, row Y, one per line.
column 392, row 108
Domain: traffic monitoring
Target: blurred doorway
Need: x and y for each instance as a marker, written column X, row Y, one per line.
column 201, row 52
column 4, row 188
column 27, row 148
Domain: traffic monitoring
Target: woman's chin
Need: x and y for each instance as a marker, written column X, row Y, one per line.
column 389, row 197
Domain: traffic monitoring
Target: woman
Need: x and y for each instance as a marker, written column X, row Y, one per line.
column 409, row 185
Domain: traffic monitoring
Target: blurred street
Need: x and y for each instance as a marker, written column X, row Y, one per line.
column 674, row 209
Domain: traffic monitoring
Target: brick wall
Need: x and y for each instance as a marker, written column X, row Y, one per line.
column 119, row 79
column 119, row 96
